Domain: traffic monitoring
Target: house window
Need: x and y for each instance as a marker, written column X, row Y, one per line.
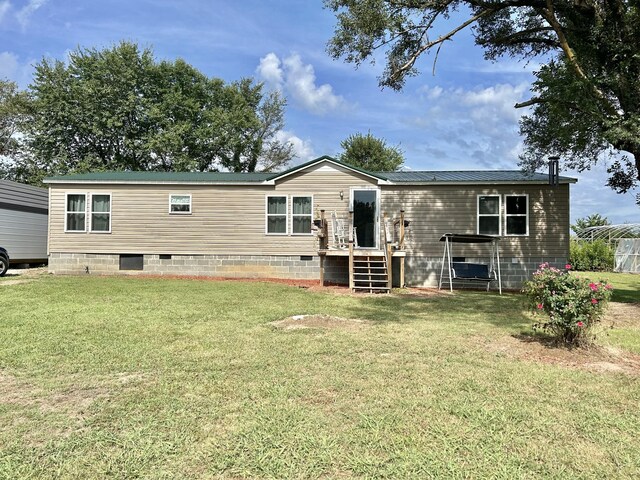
column 489, row 214
column 101, row 212
column 277, row 215
column 516, row 215
column 180, row 204
column 301, row 215
column 75, row 212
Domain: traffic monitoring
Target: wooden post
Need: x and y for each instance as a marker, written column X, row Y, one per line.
column 350, row 227
column 401, row 247
column 322, row 270
column 401, row 240
column 389, row 266
column 324, row 234
column 351, row 282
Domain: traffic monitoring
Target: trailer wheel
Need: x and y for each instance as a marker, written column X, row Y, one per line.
column 4, row 265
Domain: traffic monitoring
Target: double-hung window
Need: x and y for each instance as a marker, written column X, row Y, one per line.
column 301, row 215
column 180, row 204
column 277, row 215
column 489, row 214
column 75, row 212
column 516, row 215
column 101, row 212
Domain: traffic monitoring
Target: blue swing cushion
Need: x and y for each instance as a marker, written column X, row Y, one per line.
column 472, row 271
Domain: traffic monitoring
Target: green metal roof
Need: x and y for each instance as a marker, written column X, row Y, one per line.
column 411, row 176
column 186, row 177
column 468, row 176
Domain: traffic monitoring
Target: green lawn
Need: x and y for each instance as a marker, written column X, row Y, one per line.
column 626, row 285
column 144, row 378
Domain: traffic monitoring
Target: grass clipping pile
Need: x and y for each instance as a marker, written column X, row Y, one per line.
column 320, row 321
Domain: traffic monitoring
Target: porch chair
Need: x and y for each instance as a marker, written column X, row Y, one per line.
column 340, row 232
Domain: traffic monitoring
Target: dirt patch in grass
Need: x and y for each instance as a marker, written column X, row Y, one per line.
column 598, row 359
column 72, row 400
column 319, row 321
column 7, row 283
column 622, row 315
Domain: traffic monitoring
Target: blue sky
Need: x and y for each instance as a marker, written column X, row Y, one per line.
column 460, row 118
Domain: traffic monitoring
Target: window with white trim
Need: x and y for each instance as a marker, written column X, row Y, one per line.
column 516, row 214
column 101, row 212
column 489, row 214
column 75, row 212
column 180, row 204
column 276, row 213
column 301, row 215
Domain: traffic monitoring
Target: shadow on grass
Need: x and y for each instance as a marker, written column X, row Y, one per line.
column 626, row 295
column 506, row 311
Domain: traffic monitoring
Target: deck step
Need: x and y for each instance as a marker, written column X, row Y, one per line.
column 369, row 273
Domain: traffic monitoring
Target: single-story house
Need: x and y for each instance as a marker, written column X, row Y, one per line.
column 292, row 224
column 23, row 222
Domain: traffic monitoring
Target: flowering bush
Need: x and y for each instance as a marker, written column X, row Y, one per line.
column 572, row 304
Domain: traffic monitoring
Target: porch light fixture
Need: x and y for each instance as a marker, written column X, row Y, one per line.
column 341, row 194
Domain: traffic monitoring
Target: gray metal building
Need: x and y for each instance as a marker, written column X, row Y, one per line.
column 23, row 221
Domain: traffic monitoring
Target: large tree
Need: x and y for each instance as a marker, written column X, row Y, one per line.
column 370, row 153
column 586, row 97
column 120, row 109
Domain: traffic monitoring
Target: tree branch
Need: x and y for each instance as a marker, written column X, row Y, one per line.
column 530, row 102
column 412, row 59
column 549, row 15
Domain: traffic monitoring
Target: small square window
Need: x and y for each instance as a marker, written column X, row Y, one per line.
column 180, row 204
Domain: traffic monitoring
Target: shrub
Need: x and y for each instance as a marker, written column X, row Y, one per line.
column 595, row 256
column 572, row 304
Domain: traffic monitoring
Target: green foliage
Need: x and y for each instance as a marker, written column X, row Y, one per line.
column 371, row 153
column 586, row 95
column 120, row 109
column 594, row 220
column 12, row 113
column 573, row 305
column 592, row 256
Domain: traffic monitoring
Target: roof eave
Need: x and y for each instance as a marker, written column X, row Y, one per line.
column 481, row 182
column 146, row 182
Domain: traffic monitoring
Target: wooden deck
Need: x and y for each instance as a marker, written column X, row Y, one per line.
column 344, row 252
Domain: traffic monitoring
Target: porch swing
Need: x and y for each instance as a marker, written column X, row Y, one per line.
column 468, row 271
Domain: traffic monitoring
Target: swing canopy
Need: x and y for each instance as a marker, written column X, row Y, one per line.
column 468, row 271
column 467, row 238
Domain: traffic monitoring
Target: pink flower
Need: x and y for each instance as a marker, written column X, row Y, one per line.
column 540, row 306
column 608, row 286
column 568, row 266
column 580, row 324
column 594, row 301
column 593, row 287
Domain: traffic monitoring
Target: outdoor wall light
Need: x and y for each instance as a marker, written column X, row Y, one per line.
column 341, row 194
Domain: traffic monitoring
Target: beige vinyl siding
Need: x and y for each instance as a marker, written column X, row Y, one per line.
column 226, row 219
column 434, row 210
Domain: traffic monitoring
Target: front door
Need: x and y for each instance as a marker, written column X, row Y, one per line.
column 366, row 212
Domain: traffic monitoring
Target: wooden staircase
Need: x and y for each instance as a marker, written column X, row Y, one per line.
column 370, row 273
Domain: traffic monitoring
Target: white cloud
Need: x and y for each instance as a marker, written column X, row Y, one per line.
column 4, row 8
column 298, row 80
column 269, row 69
column 302, row 149
column 24, row 14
